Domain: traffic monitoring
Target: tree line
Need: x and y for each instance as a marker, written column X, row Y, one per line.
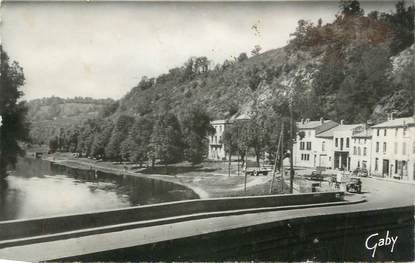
column 163, row 138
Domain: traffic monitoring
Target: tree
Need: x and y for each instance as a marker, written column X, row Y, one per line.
column 350, row 8
column 119, row 133
column 14, row 127
column 166, row 139
column 229, row 140
column 256, row 51
column 136, row 147
column 196, row 128
column 242, row 57
column 101, row 139
column 53, row 144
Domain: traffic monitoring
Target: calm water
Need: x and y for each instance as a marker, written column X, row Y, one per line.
column 39, row 188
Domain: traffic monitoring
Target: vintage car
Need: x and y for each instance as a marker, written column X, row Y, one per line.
column 315, row 175
column 354, row 185
column 251, row 168
column 360, row 172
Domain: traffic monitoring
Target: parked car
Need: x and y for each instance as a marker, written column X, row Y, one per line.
column 360, row 172
column 315, row 175
column 251, row 168
column 354, row 185
column 363, row 173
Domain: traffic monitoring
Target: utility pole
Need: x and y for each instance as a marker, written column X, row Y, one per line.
column 275, row 161
column 282, row 159
column 291, row 147
column 237, row 145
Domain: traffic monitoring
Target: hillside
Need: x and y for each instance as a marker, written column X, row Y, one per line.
column 48, row 115
column 357, row 69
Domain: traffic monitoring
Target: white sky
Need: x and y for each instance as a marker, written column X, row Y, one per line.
column 102, row 49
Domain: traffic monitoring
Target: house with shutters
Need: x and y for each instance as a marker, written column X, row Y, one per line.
column 393, row 149
column 310, row 150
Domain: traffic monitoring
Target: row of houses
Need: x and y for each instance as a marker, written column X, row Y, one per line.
column 386, row 149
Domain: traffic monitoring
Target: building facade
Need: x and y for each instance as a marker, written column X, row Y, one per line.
column 340, row 138
column 310, row 150
column 216, row 147
column 361, row 148
column 393, row 149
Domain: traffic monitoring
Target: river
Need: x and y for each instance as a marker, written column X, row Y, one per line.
column 39, row 189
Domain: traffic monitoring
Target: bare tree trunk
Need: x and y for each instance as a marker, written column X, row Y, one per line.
column 291, row 151
column 229, row 164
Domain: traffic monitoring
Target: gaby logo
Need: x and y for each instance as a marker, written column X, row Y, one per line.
column 373, row 242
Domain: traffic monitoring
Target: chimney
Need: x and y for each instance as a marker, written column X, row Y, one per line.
column 321, row 120
column 392, row 115
column 307, row 120
column 302, row 121
column 341, row 122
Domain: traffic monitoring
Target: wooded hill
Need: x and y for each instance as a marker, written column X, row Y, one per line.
column 357, row 68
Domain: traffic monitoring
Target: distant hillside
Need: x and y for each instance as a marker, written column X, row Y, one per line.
column 48, row 115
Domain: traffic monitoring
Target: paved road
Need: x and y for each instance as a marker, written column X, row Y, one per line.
column 380, row 194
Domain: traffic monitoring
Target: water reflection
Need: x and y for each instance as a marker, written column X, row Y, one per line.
column 39, row 188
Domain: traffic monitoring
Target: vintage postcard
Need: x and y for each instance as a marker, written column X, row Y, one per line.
column 207, row 131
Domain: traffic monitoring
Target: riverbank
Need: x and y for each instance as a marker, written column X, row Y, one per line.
column 208, row 180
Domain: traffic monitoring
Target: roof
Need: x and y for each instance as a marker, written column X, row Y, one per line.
column 366, row 133
column 219, row 122
column 308, row 125
column 395, row 123
column 319, row 126
column 345, row 127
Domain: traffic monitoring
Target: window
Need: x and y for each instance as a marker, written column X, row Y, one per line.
column 396, row 132
column 376, row 164
column 413, row 146
column 396, row 166
column 308, row 145
column 377, row 147
column 384, row 132
column 404, row 148
column 323, row 146
column 364, row 151
column 354, row 150
column 404, row 131
column 348, row 142
column 358, row 151
column 377, row 132
column 341, row 143
column 384, row 147
column 337, row 142
column 302, row 145
column 365, row 141
column 395, row 148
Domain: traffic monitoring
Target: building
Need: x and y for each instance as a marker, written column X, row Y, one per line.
column 393, row 149
column 340, row 138
column 216, row 147
column 310, row 150
column 361, row 148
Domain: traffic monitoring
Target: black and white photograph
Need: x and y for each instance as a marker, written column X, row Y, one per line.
column 207, row 131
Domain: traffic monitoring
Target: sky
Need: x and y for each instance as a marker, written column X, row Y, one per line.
column 102, row 50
